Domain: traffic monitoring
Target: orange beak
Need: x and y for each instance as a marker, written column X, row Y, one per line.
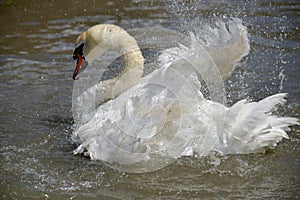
column 79, row 63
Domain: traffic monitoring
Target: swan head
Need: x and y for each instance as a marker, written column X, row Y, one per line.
column 95, row 41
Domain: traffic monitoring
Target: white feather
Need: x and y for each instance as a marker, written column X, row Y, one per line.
column 250, row 127
column 165, row 114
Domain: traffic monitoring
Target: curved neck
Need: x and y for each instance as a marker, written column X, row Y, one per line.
column 101, row 38
column 133, row 66
column 132, row 62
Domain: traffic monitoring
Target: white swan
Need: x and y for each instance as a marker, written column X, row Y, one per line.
column 144, row 122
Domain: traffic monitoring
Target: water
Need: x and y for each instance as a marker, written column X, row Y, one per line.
column 36, row 97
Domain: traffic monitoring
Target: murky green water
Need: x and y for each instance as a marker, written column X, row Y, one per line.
column 37, row 41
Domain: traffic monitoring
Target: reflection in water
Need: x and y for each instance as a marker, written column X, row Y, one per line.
column 36, row 86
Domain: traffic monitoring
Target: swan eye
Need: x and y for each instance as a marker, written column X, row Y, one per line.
column 75, row 57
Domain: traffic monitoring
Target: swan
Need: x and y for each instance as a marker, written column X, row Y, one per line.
column 142, row 123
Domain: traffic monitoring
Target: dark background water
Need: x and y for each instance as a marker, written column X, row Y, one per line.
column 37, row 41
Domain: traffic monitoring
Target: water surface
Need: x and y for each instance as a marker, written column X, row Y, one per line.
column 36, row 99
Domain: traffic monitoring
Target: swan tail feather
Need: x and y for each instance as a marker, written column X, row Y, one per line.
column 251, row 127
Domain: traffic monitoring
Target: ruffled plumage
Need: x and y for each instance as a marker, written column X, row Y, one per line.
column 164, row 115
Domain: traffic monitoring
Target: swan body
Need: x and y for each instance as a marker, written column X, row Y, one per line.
column 164, row 114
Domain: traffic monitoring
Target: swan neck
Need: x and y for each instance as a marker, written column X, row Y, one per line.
column 132, row 62
column 130, row 52
column 131, row 58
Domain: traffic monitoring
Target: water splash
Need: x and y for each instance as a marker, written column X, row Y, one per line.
column 282, row 78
